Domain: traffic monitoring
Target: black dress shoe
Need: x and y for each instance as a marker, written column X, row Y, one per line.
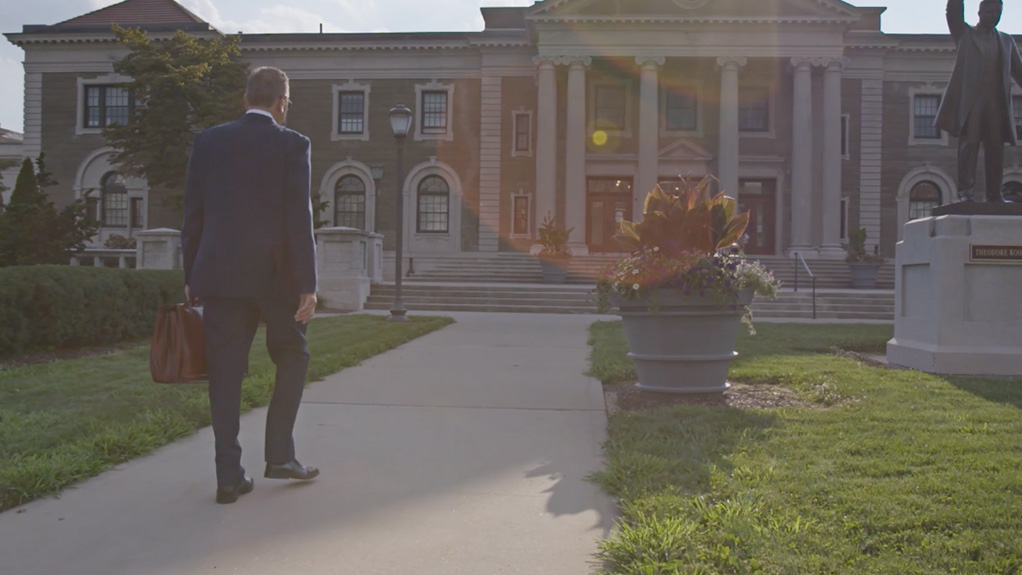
column 290, row 470
column 230, row 493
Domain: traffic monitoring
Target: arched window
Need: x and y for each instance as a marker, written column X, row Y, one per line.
column 1012, row 191
column 433, row 205
column 923, row 197
column 350, row 202
column 115, row 200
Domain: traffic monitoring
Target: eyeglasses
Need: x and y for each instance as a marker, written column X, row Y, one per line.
column 287, row 101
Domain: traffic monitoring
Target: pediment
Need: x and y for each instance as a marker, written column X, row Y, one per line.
column 702, row 10
column 685, row 150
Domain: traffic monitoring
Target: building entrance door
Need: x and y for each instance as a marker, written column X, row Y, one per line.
column 758, row 198
column 608, row 201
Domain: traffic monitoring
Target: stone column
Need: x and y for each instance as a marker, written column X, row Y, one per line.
column 575, row 155
column 831, row 244
column 727, row 158
column 649, row 131
column 546, row 140
column 802, row 158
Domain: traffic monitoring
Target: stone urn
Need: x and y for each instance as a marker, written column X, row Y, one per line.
column 679, row 343
column 864, row 274
column 554, row 270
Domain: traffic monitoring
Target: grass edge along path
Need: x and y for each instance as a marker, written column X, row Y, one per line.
column 67, row 420
column 889, row 472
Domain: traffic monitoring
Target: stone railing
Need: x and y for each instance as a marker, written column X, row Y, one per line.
column 104, row 257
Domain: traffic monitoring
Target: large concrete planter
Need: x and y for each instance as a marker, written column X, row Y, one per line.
column 554, row 271
column 864, row 274
column 679, row 343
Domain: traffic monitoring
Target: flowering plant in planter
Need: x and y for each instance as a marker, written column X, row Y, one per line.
column 686, row 241
column 554, row 240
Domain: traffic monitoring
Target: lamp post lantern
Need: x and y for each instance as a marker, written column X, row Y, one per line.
column 400, row 123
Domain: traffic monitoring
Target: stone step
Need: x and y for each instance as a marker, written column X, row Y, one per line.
column 541, row 298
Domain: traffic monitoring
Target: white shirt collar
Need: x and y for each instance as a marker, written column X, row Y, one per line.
column 258, row 111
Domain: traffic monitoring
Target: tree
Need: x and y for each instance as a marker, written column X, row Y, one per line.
column 182, row 86
column 4, row 164
column 32, row 231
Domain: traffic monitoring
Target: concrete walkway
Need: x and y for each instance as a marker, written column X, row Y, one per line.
column 460, row 453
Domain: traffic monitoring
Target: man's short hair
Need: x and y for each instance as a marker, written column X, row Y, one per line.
column 266, row 85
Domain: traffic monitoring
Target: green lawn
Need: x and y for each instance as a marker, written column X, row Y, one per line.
column 66, row 420
column 891, row 471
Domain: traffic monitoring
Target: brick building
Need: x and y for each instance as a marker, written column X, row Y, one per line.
column 816, row 120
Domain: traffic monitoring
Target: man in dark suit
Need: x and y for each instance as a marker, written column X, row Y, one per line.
column 976, row 106
column 249, row 254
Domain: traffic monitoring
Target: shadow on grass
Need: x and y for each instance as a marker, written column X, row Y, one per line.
column 998, row 390
column 677, row 450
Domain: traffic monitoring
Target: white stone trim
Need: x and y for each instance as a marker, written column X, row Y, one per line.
column 32, row 141
column 432, row 243
column 350, row 86
column 924, row 90
column 490, row 160
column 350, row 167
column 871, row 156
column 696, row 85
column 434, row 86
column 592, row 83
column 515, row 153
column 103, row 80
column 948, row 189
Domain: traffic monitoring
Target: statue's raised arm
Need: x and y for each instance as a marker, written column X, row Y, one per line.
column 956, row 18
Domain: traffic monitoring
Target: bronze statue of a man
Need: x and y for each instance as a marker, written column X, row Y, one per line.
column 976, row 107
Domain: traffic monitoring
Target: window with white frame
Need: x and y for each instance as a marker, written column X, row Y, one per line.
column 432, row 214
column 681, row 109
column 610, row 112
column 137, row 212
column 351, row 112
column 753, row 109
column 434, row 111
column 846, row 126
column 521, row 215
column 114, row 194
column 922, row 198
column 106, row 105
column 350, row 202
column 522, row 125
column 924, row 101
column 924, row 112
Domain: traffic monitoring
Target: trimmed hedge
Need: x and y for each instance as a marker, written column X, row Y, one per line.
column 59, row 307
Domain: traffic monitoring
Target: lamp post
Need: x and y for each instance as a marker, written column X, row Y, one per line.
column 400, row 124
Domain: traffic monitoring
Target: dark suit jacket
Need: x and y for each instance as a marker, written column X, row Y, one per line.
column 963, row 88
column 247, row 228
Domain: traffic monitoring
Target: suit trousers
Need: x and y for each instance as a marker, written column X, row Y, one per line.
column 229, row 325
column 983, row 127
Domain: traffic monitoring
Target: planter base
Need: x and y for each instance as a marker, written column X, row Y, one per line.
column 681, row 344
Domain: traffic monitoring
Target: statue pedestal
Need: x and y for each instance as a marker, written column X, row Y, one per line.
column 958, row 296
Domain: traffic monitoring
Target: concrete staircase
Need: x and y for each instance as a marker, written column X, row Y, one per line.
column 522, row 268
column 831, row 305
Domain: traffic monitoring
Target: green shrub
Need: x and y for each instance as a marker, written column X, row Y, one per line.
column 57, row 307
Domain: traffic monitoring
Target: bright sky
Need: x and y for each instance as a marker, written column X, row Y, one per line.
column 902, row 16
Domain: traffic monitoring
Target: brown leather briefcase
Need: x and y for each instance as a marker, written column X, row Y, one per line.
column 177, row 353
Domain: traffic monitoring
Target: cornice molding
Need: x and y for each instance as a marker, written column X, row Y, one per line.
column 645, row 60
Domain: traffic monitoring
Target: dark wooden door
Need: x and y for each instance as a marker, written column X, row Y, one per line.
column 608, row 201
column 758, row 197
